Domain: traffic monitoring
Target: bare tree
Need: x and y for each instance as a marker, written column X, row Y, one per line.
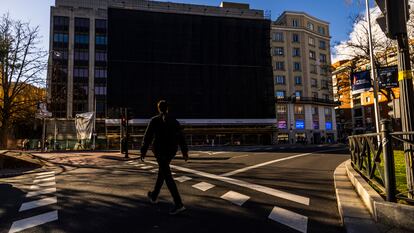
column 22, row 63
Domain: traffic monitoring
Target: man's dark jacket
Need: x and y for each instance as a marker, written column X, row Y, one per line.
column 165, row 134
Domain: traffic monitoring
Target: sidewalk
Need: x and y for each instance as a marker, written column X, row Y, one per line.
column 354, row 214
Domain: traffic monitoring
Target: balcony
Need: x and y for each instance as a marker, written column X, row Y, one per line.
column 307, row 100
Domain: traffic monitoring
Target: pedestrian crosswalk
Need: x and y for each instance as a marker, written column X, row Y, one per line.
column 278, row 214
column 43, row 184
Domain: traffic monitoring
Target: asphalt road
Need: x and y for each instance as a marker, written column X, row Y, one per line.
column 252, row 189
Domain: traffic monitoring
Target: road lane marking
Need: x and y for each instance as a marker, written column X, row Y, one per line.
column 40, row 192
column 235, row 198
column 139, row 165
column 263, row 189
column 263, row 164
column 290, row 219
column 270, row 162
column 37, row 180
column 147, row 167
column 203, row 186
column 182, row 178
column 38, row 203
column 239, row 156
column 44, row 176
column 154, row 170
column 33, row 221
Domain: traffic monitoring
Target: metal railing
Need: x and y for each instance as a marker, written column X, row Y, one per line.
column 298, row 99
column 374, row 152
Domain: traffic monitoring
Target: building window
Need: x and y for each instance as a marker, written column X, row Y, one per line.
column 100, row 56
column 324, row 84
column 280, row 79
column 60, row 21
column 100, row 90
column 328, row 111
column 326, row 96
column 312, row 41
column 314, row 110
column 314, row 82
column 81, row 55
column 324, row 70
column 295, row 37
column 278, row 36
column 80, row 72
column 298, row 80
column 296, row 52
column 81, row 39
column 281, row 109
column 322, row 58
column 100, row 73
column 367, row 100
column 313, row 69
column 60, row 37
column 315, row 95
column 315, row 124
column 310, row 26
column 100, row 23
column 312, row 55
column 298, row 94
column 82, row 22
column 296, row 66
column 321, row 30
column 280, row 94
column 295, row 23
column 299, row 109
column 100, row 40
column 322, row 44
column 280, row 65
column 278, row 51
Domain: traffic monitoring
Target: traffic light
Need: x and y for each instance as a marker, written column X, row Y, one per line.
column 394, row 108
column 394, row 17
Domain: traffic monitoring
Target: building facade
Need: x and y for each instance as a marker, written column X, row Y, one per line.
column 82, row 64
column 356, row 114
column 300, row 48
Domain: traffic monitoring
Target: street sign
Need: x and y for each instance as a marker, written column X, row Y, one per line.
column 388, row 77
column 361, row 82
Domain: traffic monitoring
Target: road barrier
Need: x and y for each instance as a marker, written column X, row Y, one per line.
column 367, row 152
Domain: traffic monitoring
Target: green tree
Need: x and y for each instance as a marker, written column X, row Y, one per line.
column 22, row 63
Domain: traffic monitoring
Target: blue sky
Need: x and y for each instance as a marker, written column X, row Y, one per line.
column 336, row 12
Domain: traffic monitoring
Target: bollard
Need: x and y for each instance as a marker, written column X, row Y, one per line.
column 389, row 167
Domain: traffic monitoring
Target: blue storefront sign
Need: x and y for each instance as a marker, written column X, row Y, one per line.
column 361, row 82
column 328, row 125
column 300, row 124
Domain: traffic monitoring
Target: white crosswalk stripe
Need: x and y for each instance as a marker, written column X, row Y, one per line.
column 38, row 203
column 147, row 167
column 290, row 219
column 235, row 197
column 41, row 192
column 43, row 179
column 41, row 185
column 33, row 221
column 203, row 186
column 182, row 178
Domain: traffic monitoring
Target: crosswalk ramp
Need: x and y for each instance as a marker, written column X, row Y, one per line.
column 277, row 214
column 41, row 194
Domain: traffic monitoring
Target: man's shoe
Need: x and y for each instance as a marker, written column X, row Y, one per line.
column 177, row 210
column 151, row 199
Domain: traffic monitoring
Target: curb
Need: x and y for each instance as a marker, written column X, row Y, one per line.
column 393, row 214
column 354, row 215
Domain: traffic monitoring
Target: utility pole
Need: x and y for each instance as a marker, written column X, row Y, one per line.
column 373, row 75
column 126, row 133
column 393, row 22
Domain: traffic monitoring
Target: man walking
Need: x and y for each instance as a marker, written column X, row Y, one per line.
column 165, row 134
